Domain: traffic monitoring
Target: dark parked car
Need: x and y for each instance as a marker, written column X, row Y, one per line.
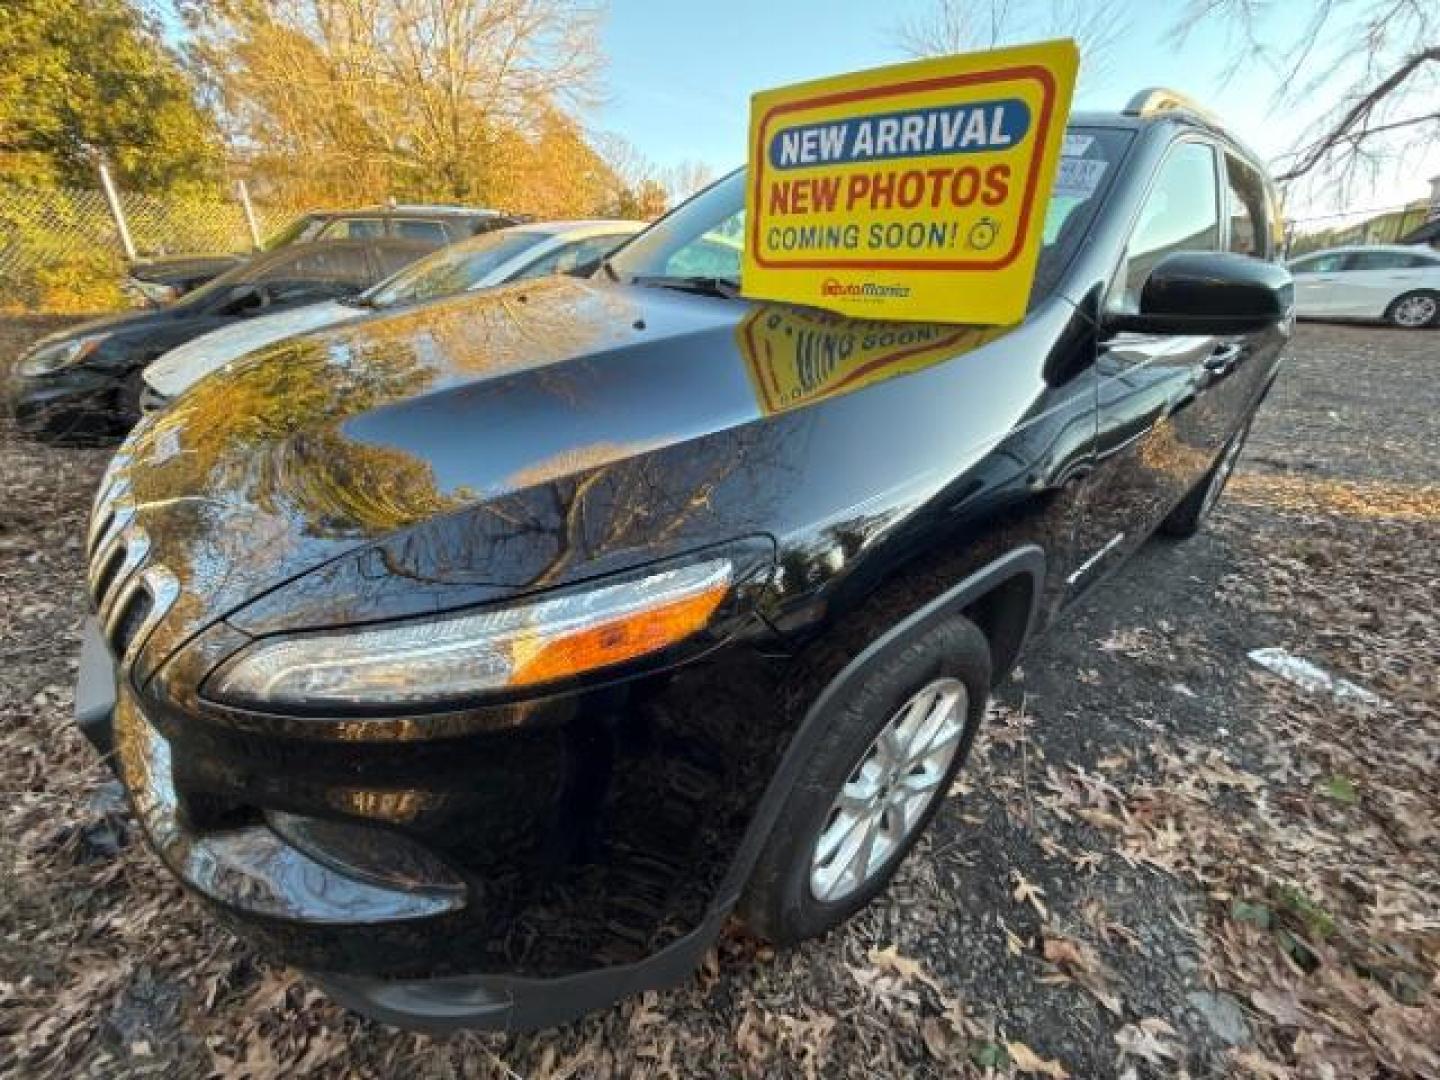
column 502, row 647
column 86, row 378
column 160, row 280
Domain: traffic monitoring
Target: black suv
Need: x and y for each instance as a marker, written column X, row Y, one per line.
column 86, row 379
column 481, row 659
column 160, row 280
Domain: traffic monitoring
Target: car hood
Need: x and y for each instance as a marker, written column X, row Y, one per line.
column 182, row 367
column 124, row 322
column 168, row 268
column 493, row 442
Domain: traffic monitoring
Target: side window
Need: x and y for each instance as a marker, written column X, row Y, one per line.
column 353, row 229
column 414, row 229
column 1377, row 260
column 1249, row 227
column 1181, row 213
column 1318, row 264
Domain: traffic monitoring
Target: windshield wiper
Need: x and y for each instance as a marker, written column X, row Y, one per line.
column 357, row 300
column 698, row 283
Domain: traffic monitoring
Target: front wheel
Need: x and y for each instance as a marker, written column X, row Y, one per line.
column 1415, row 310
column 894, row 738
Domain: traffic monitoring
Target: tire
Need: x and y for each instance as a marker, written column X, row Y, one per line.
column 780, row 902
column 1414, row 310
column 1187, row 519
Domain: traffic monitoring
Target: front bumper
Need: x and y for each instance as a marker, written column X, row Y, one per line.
column 79, row 402
column 376, row 948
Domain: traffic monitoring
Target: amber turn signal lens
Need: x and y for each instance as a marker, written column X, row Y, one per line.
column 613, row 642
column 445, row 659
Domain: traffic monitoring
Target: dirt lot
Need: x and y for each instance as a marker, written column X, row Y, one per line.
column 1163, row 860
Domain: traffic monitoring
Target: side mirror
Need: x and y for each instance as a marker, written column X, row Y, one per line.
column 1209, row 292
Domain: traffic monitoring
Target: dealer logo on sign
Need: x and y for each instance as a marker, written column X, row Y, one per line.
column 874, row 290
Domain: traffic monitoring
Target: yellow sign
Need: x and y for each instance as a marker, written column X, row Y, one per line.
column 909, row 192
column 796, row 356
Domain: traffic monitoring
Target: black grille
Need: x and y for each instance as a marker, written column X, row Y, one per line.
column 131, row 618
column 106, row 575
column 101, row 527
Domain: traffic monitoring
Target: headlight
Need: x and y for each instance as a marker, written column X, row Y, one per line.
column 445, row 659
column 51, row 358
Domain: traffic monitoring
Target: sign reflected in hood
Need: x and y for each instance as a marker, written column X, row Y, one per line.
column 796, row 356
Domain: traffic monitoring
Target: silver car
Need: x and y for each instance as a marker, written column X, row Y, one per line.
column 1396, row 283
column 523, row 251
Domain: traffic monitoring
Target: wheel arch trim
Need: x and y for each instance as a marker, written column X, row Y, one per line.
column 1027, row 561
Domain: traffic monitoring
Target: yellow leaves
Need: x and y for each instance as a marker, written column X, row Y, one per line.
column 1357, row 499
column 440, row 100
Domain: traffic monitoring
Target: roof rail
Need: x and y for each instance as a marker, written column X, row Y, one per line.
column 1158, row 100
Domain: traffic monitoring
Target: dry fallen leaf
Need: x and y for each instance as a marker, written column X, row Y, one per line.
column 1282, row 1006
column 1152, row 1040
column 1026, row 892
column 1081, row 963
column 1257, row 1065
column 1027, row 1061
column 888, row 959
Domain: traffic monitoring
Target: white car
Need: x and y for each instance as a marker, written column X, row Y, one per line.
column 513, row 254
column 1397, row 283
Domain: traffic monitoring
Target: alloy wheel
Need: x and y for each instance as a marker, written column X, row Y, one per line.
column 889, row 791
column 1415, row 312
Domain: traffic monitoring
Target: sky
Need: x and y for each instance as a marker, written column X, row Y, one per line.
column 681, row 74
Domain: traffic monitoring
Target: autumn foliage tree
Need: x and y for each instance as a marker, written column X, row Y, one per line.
column 470, row 100
column 83, row 81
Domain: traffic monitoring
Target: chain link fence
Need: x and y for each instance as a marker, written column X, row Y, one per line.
column 61, row 250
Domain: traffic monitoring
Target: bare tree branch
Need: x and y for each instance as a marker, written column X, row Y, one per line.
column 953, row 26
column 1373, row 59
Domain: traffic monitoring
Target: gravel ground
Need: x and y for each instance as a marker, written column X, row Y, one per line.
column 1162, row 860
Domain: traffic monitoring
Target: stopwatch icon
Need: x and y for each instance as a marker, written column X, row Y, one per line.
column 983, row 233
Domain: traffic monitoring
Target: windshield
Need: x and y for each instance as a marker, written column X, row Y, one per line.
column 242, row 274
column 453, row 269
column 299, row 229
column 705, row 237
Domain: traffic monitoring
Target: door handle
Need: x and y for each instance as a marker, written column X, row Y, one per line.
column 1223, row 357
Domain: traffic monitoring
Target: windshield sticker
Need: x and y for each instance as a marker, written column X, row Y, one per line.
column 893, row 193
column 1078, row 178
